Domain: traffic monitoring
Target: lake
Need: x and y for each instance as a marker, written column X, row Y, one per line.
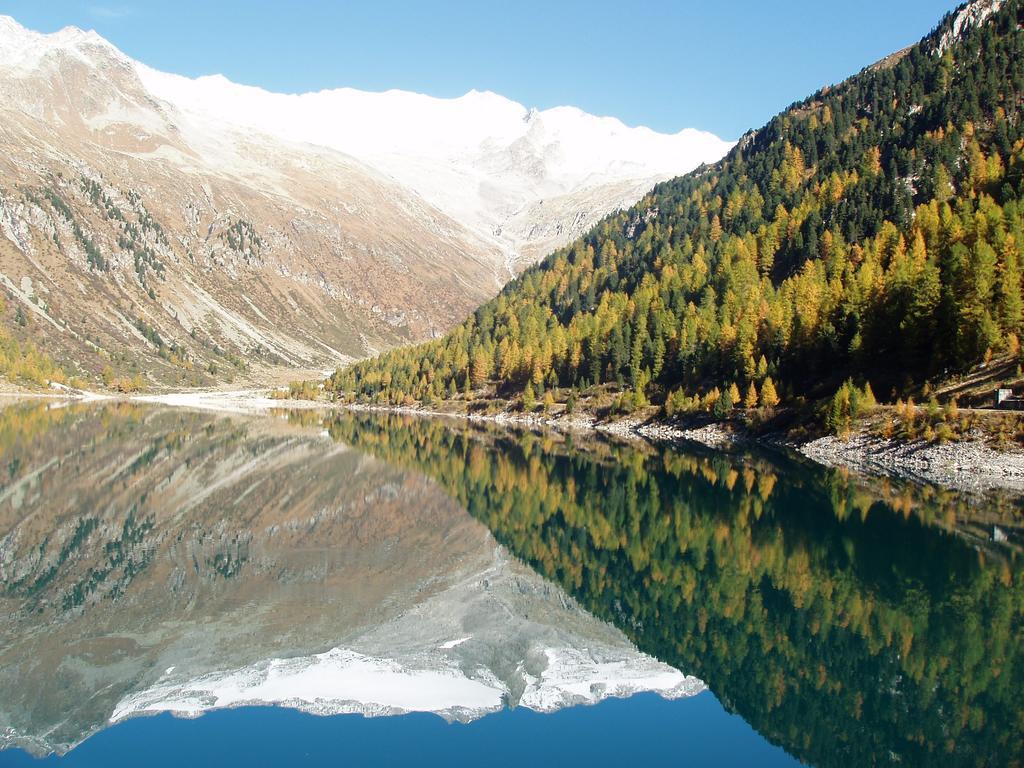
column 328, row 588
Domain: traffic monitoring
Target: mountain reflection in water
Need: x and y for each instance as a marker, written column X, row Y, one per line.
column 166, row 560
column 163, row 560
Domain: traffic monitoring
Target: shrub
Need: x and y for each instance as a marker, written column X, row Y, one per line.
column 303, row 390
column 848, row 404
column 529, row 398
column 549, row 401
column 570, row 404
column 678, row 403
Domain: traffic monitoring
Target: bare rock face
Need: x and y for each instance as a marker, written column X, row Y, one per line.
column 971, row 15
column 196, row 231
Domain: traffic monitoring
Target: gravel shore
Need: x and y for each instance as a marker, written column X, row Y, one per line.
column 968, row 466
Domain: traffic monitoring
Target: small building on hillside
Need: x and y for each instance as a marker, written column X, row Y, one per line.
column 1007, row 399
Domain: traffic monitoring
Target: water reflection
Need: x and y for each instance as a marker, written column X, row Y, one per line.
column 165, row 560
column 853, row 623
column 162, row 560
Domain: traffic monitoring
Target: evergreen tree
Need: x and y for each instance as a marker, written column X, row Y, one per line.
column 750, row 401
column 529, row 398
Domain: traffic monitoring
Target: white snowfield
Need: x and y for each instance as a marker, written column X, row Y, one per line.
column 515, row 177
column 481, row 158
column 344, row 681
column 335, row 682
column 574, row 676
column 400, row 129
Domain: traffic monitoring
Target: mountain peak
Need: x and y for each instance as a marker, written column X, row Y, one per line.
column 75, row 35
column 23, row 49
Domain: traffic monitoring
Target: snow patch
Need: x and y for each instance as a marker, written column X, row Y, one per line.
column 575, row 676
column 334, row 682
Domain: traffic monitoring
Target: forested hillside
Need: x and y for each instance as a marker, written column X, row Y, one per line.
column 872, row 231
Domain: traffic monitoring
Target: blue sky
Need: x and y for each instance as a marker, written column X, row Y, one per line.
column 723, row 67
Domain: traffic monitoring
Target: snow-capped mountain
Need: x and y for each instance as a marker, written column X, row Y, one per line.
column 248, row 231
column 485, row 160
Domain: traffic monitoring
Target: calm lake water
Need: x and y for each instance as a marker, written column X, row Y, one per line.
column 188, row 588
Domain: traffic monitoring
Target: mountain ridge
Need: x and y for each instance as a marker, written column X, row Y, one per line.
column 486, row 121
column 149, row 243
column 437, row 146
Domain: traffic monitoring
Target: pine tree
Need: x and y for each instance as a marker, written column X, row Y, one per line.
column 762, row 367
column 481, row 368
column 733, row 395
column 1008, row 289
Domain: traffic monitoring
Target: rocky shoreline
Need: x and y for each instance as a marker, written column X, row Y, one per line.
column 712, row 435
column 971, row 465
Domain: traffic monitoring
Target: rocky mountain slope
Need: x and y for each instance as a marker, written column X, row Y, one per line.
column 186, row 232
column 524, row 180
